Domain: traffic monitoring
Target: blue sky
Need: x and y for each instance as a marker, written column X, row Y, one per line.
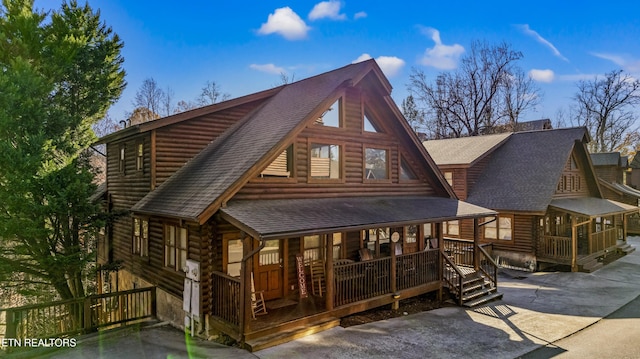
column 244, row 45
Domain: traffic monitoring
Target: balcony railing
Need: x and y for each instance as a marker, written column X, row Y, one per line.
column 226, row 298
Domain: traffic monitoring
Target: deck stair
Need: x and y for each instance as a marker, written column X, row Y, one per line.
column 625, row 248
column 279, row 337
column 476, row 289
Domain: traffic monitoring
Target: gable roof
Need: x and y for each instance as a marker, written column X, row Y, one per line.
column 200, row 187
column 607, row 159
column 523, row 173
column 464, row 150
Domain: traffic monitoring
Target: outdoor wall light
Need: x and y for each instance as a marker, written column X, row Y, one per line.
column 396, row 296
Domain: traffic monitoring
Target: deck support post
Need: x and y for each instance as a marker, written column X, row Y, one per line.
column 440, row 260
column 574, row 243
column 392, row 276
column 476, row 244
column 246, row 269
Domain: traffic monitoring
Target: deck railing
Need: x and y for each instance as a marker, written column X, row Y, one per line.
column 600, row 241
column 460, row 251
column 453, row 277
column 415, row 269
column 361, row 280
column 226, row 298
column 488, row 265
column 555, row 247
column 81, row 315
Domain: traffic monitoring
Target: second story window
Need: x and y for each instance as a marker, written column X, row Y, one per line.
column 140, row 240
column 376, row 164
column 140, row 156
column 332, row 116
column 121, row 159
column 324, row 161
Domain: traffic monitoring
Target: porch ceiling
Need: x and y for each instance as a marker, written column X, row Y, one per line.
column 592, row 207
column 296, row 217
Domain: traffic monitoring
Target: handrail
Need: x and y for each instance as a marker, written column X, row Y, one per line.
column 456, row 286
column 492, row 264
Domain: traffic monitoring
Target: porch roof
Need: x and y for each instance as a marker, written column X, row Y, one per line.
column 592, row 207
column 297, row 217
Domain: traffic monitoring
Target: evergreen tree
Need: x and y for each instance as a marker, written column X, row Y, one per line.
column 59, row 73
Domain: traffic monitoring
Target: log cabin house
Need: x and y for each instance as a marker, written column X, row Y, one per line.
column 612, row 170
column 273, row 215
column 550, row 204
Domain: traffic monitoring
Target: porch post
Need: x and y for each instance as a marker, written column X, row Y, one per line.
column 574, row 244
column 329, row 282
column 246, row 268
column 476, row 244
column 440, row 262
column 393, row 274
column 624, row 227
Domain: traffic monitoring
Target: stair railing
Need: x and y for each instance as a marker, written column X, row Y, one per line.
column 488, row 266
column 453, row 277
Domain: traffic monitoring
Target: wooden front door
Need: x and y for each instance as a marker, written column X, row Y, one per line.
column 269, row 272
column 410, row 239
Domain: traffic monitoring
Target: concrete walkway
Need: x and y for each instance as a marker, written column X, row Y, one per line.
column 537, row 309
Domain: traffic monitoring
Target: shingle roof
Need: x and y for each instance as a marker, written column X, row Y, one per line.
column 462, row 151
column 592, row 207
column 224, row 162
column 606, row 159
column 523, row 173
column 281, row 218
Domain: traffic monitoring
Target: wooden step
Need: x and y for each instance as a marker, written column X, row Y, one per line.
column 483, row 299
column 591, row 266
column 477, row 293
column 291, row 334
column 626, row 248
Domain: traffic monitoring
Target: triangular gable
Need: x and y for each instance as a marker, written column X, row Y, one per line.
column 198, row 189
column 523, row 173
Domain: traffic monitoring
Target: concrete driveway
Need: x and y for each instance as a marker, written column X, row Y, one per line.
column 537, row 309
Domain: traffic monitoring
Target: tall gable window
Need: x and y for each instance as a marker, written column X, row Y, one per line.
column 368, row 126
column 175, row 247
column 325, row 161
column 140, row 244
column 406, row 173
column 376, row 164
column 332, row 117
column 282, row 166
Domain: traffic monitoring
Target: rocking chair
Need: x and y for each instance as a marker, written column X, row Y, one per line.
column 257, row 301
column 318, row 284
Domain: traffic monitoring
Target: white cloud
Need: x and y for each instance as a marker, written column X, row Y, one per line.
column 629, row 65
column 327, row 9
column 527, row 30
column 268, row 68
column 390, row 65
column 542, row 75
column 285, row 22
column 443, row 57
column 360, row 15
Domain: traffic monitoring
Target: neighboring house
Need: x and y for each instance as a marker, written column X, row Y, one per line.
column 303, row 187
column 633, row 178
column 542, row 184
column 613, row 170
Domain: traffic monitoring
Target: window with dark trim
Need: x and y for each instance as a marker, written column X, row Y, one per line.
column 121, row 159
column 376, row 165
column 377, row 240
column 324, row 160
column 140, row 244
column 451, row 228
column 406, row 173
column 140, row 156
column 281, row 167
column 175, row 247
column 500, row 229
column 332, row 117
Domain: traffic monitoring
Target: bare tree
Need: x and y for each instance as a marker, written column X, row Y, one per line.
column 167, row 103
column 413, row 114
column 605, row 105
column 488, row 90
column 151, row 97
column 211, row 93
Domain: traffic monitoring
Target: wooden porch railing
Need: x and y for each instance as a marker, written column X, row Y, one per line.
column 633, row 224
column 361, row 280
column 226, row 298
column 461, row 251
column 600, row 241
column 81, row 315
column 555, row 247
column 415, row 269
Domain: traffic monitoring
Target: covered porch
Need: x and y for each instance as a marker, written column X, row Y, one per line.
column 334, row 257
column 578, row 231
